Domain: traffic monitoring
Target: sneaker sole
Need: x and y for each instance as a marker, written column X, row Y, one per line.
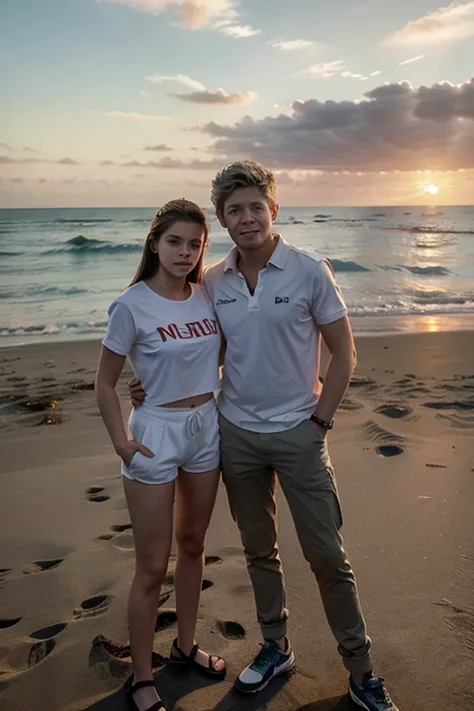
column 357, row 701
column 289, row 664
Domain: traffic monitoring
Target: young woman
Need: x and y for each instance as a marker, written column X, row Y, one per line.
column 165, row 325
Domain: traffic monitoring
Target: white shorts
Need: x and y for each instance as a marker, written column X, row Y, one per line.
column 179, row 437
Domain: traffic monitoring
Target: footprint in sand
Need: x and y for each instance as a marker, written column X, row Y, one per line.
column 115, row 530
column 121, row 527
column 40, row 651
column 92, row 606
column 457, row 405
column 95, row 494
column 39, row 566
column 388, row 443
column 48, row 632
column 394, row 410
column 165, row 618
column 361, row 382
column 230, row 629
column 7, row 622
column 212, row 559
column 3, row 576
column 348, row 405
column 389, row 450
column 206, row 584
column 105, row 649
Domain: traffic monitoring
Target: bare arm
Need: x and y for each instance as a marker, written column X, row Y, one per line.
column 340, row 342
column 108, row 372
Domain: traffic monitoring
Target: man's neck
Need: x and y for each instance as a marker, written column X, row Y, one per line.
column 256, row 259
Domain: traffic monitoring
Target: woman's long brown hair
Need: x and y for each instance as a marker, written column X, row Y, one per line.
column 180, row 210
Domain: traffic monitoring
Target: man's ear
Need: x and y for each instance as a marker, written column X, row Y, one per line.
column 274, row 211
column 221, row 219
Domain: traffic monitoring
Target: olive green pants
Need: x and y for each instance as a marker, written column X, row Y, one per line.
column 250, row 463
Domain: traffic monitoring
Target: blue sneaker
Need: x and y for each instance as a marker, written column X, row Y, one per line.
column 269, row 663
column 372, row 695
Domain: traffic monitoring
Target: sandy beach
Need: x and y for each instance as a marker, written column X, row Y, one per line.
column 66, row 548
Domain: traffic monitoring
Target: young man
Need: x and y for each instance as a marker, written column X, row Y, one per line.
column 274, row 303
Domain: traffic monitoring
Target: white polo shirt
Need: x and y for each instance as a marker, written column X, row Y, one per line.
column 273, row 339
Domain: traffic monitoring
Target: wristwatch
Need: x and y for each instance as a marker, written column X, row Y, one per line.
column 323, row 423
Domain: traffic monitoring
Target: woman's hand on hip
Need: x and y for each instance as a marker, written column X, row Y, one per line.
column 128, row 450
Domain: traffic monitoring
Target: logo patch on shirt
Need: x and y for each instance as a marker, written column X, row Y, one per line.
column 194, row 329
column 222, row 302
column 282, row 300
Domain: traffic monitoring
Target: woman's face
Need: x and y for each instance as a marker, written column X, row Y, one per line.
column 180, row 247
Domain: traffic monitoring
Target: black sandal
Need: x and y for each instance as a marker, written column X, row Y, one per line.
column 131, row 687
column 190, row 661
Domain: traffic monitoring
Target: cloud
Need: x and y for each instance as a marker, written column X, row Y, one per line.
column 411, row 60
column 192, row 13
column 219, row 15
column 336, row 68
column 107, row 162
column 17, row 180
column 161, row 147
column 5, row 147
column 174, row 163
column 9, row 160
column 239, row 31
column 292, row 45
column 128, row 115
column 67, row 161
column 394, row 127
column 201, row 95
column 179, row 79
column 324, row 70
column 219, row 96
column 447, row 24
column 27, row 149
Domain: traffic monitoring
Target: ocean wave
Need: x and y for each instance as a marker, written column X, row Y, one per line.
column 341, row 265
column 84, row 245
column 289, row 221
column 440, row 297
column 428, row 271
column 83, row 221
column 413, row 309
column 427, row 230
column 420, row 271
column 10, row 254
column 37, row 291
column 51, row 329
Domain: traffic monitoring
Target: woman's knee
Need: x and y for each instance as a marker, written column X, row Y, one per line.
column 151, row 574
column 190, row 543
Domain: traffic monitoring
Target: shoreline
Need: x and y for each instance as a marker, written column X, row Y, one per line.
column 387, row 325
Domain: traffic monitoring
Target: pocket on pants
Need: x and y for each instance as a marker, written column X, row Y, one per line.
column 151, row 434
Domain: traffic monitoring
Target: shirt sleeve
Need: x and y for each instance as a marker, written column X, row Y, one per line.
column 327, row 303
column 121, row 330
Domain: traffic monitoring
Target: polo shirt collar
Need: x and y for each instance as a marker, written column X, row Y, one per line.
column 278, row 258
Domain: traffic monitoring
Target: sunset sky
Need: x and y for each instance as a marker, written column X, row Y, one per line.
column 133, row 102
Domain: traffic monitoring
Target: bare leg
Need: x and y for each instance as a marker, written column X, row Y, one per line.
column 196, row 495
column 151, row 513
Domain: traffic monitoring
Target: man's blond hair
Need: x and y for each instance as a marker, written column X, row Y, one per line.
column 242, row 174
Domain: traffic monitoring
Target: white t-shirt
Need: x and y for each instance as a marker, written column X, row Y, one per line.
column 173, row 346
column 273, row 339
